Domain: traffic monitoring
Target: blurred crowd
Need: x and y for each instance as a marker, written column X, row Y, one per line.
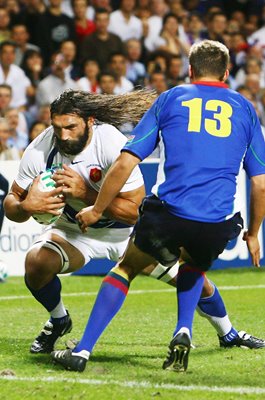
column 114, row 46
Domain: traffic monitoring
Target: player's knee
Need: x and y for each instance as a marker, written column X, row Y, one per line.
column 40, row 264
column 129, row 270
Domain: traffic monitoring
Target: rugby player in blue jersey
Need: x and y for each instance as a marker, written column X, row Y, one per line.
column 206, row 133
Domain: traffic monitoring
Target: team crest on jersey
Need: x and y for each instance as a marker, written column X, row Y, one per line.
column 95, row 174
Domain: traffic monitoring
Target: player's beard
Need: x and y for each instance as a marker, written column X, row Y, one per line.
column 72, row 147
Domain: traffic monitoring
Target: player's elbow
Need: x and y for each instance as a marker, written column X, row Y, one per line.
column 258, row 184
column 12, row 210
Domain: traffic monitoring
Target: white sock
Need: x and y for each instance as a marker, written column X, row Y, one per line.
column 184, row 330
column 59, row 311
column 222, row 325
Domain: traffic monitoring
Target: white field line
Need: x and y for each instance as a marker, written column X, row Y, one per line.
column 139, row 384
column 248, row 287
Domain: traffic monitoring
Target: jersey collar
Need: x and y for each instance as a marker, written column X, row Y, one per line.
column 211, row 83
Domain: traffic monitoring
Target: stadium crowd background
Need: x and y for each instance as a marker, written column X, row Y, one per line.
column 113, row 46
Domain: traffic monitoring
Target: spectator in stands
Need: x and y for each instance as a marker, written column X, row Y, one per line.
column 124, row 23
column 5, row 97
column 117, row 64
column 175, row 72
column 68, row 7
column 32, row 65
column 195, row 28
column 30, row 16
column 17, row 139
column 253, row 66
column 89, row 82
column 240, row 18
column 170, row 41
column 176, row 7
column 135, row 70
column 258, row 37
column 100, row 44
column 44, row 115
column 5, row 32
column 13, row 8
column 252, row 82
column 13, row 75
column 107, row 82
column 142, row 8
column 35, row 129
column 245, row 92
column 159, row 61
column 216, row 26
column 158, row 82
column 7, row 152
column 20, row 36
column 54, row 27
column 238, row 49
column 83, row 26
column 5, row 101
column 55, row 83
column 159, row 9
column 68, row 50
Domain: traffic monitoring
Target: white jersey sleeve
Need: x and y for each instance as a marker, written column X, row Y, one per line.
column 112, row 141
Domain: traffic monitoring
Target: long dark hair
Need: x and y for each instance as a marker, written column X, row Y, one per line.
column 108, row 109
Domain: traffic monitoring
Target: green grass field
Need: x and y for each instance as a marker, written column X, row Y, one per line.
column 126, row 363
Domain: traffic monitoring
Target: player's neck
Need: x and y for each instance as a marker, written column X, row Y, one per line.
column 207, row 79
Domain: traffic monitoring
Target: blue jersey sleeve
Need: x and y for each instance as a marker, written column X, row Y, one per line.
column 145, row 136
column 254, row 161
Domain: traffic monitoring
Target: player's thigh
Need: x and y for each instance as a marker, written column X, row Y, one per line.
column 94, row 244
column 53, row 253
column 212, row 240
column 75, row 256
column 156, row 232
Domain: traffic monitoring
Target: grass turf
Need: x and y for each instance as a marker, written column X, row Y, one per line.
column 126, row 362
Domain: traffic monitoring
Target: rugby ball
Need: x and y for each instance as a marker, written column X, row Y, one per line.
column 47, row 184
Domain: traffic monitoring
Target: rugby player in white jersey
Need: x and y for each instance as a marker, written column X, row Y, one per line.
column 80, row 146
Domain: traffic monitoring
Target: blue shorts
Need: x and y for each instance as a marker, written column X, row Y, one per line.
column 161, row 235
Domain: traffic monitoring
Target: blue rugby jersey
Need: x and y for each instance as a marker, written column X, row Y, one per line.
column 206, row 133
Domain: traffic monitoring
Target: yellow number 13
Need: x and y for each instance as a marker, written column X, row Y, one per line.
column 219, row 125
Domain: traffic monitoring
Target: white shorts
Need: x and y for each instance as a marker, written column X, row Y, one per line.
column 95, row 243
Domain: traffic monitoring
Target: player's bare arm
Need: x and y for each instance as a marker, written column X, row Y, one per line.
column 257, row 214
column 21, row 204
column 113, row 182
column 123, row 208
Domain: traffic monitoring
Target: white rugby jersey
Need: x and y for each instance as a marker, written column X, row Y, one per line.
column 92, row 163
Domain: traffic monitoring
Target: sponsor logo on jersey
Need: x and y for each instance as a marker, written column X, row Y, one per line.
column 95, row 174
column 76, row 162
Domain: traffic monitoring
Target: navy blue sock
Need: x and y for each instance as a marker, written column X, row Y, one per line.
column 49, row 295
column 189, row 289
column 109, row 300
